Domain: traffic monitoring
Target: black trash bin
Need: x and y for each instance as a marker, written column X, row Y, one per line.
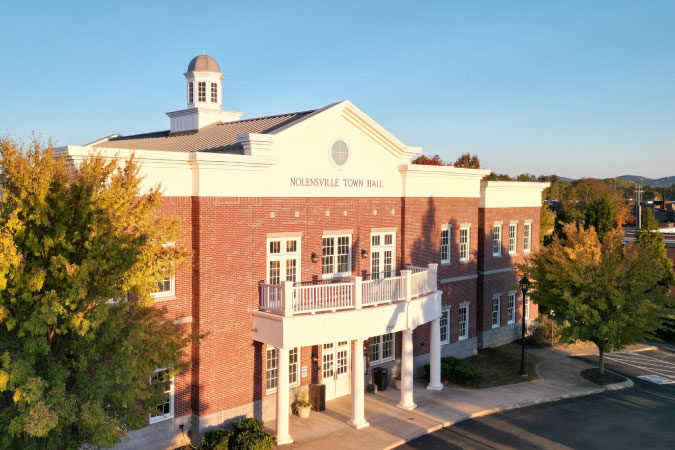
column 380, row 378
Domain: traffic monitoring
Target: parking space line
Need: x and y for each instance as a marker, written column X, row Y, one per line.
column 645, row 363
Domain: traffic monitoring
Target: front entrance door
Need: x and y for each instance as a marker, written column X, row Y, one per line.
column 335, row 369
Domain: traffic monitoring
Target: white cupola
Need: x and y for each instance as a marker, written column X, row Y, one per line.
column 204, row 97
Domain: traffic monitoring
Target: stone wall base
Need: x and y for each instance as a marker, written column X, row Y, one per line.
column 499, row 336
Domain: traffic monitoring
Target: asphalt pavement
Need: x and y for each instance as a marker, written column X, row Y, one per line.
column 641, row 417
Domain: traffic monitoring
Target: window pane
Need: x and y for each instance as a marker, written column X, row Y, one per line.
column 445, row 247
column 375, row 239
column 328, row 250
column 374, row 348
column 201, row 86
column 388, row 239
column 291, row 270
column 495, row 311
column 464, row 244
column 293, row 366
column 275, row 272
column 291, row 246
column 387, row 346
column 375, row 265
column 343, row 254
column 271, row 368
column 497, row 240
column 214, row 93
column 387, row 264
column 444, row 322
column 511, row 309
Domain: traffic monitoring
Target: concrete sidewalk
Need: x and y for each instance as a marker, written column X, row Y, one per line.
column 391, row 426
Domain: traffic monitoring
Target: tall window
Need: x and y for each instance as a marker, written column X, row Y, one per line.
column 497, row 240
column 163, row 410
column 511, row 307
column 336, row 255
column 283, row 260
column 463, row 245
column 445, row 244
column 382, row 251
column 191, row 92
column 272, row 368
column 527, row 237
column 495, row 310
column 512, row 238
column 214, row 92
column 201, row 91
column 381, row 348
column 445, row 326
column 463, row 322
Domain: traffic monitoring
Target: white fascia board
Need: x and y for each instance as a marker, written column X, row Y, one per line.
column 440, row 181
column 511, row 194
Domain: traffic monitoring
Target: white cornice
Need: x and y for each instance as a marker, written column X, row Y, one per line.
column 448, row 171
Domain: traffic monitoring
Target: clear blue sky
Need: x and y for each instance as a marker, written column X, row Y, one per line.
column 576, row 88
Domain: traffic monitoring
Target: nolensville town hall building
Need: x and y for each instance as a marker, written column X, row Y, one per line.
column 320, row 253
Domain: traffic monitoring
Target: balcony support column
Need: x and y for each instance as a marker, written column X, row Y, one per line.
column 407, row 402
column 435, row 356
column 283, row 397
column 358, row 419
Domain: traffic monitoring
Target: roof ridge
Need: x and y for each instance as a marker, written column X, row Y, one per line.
column 309, row 111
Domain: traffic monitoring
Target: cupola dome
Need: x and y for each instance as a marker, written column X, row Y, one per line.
column 203, row 63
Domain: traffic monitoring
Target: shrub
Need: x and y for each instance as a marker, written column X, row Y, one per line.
column 246, row 434
column 453, row 370
column 539, row 333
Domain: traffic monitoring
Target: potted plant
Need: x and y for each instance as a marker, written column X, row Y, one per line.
column 302, row 406
column 397, row 380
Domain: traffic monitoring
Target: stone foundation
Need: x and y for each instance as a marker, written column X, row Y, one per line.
column 499, row 336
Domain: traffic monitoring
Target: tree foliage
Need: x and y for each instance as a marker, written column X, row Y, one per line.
column 435, row 160
column 608, row 293
column 601, row 215
column 467, row 161
column 77, row 352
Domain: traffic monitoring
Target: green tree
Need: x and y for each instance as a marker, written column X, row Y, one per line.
column 546, row 224
column 76, row 351
column 601, row 215
column 649, row 222
column 604, row 292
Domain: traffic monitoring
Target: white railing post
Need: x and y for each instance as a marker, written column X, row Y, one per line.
column 433, row 277
column 357, row 292
column 287, row 299
column 407, row 284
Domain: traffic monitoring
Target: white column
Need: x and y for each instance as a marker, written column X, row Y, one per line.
column 435, row 357
column 407, row 372
column 358, row 419
column 283, row 397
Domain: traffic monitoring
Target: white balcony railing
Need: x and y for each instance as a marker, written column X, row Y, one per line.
column 290, row 298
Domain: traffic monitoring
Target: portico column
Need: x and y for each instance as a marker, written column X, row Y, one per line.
column 358, row 404
column 435, row 357
column 407, row 371
column 283, row 397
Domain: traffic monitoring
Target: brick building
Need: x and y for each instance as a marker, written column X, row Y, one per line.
column 319, row 254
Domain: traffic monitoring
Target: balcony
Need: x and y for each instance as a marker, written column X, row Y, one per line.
column 294, row 314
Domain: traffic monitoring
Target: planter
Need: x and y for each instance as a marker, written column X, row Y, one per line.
column 303, row 411
column 397, row 384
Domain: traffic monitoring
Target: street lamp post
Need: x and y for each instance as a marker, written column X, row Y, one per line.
column 524, row 286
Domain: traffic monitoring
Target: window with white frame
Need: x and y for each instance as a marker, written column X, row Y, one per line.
column 497, row 240
column 527, row 307
column 445, row 243
column 464, row 244
column 272, row 368
column 512, row 238
column 382, row 255
column 463, row 322
column 163, row 410
column 165, row 288
column 191, row 92
column 495, row 310
column 511, row 307
column 283, row 259
column 445, row 325
column 214, row 92
column 336, row 255
column 201, row 91
column 527, row 237
column 381, row 348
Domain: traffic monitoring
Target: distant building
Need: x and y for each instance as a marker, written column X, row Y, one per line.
column 320, row 254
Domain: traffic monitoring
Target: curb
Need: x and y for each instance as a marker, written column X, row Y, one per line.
column 598, row 390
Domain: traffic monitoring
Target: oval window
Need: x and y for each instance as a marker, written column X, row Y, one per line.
column 339, row 153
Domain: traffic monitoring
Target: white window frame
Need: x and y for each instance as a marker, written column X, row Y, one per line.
column 446, row 228
column 273, row 350
column 444, row 322
column 527, row 307
column 465, row 248
column 379, row 342
column 527, row 236
column 170, row 415
column 466, row 322
column 283, row 257
column 334, row 273
column 513, row 240
column 172, row 282
column 497, row 322
column 511, row 307
column 382, row 247
column 497, row 239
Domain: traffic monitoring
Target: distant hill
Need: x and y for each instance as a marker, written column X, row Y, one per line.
column 665, row 181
